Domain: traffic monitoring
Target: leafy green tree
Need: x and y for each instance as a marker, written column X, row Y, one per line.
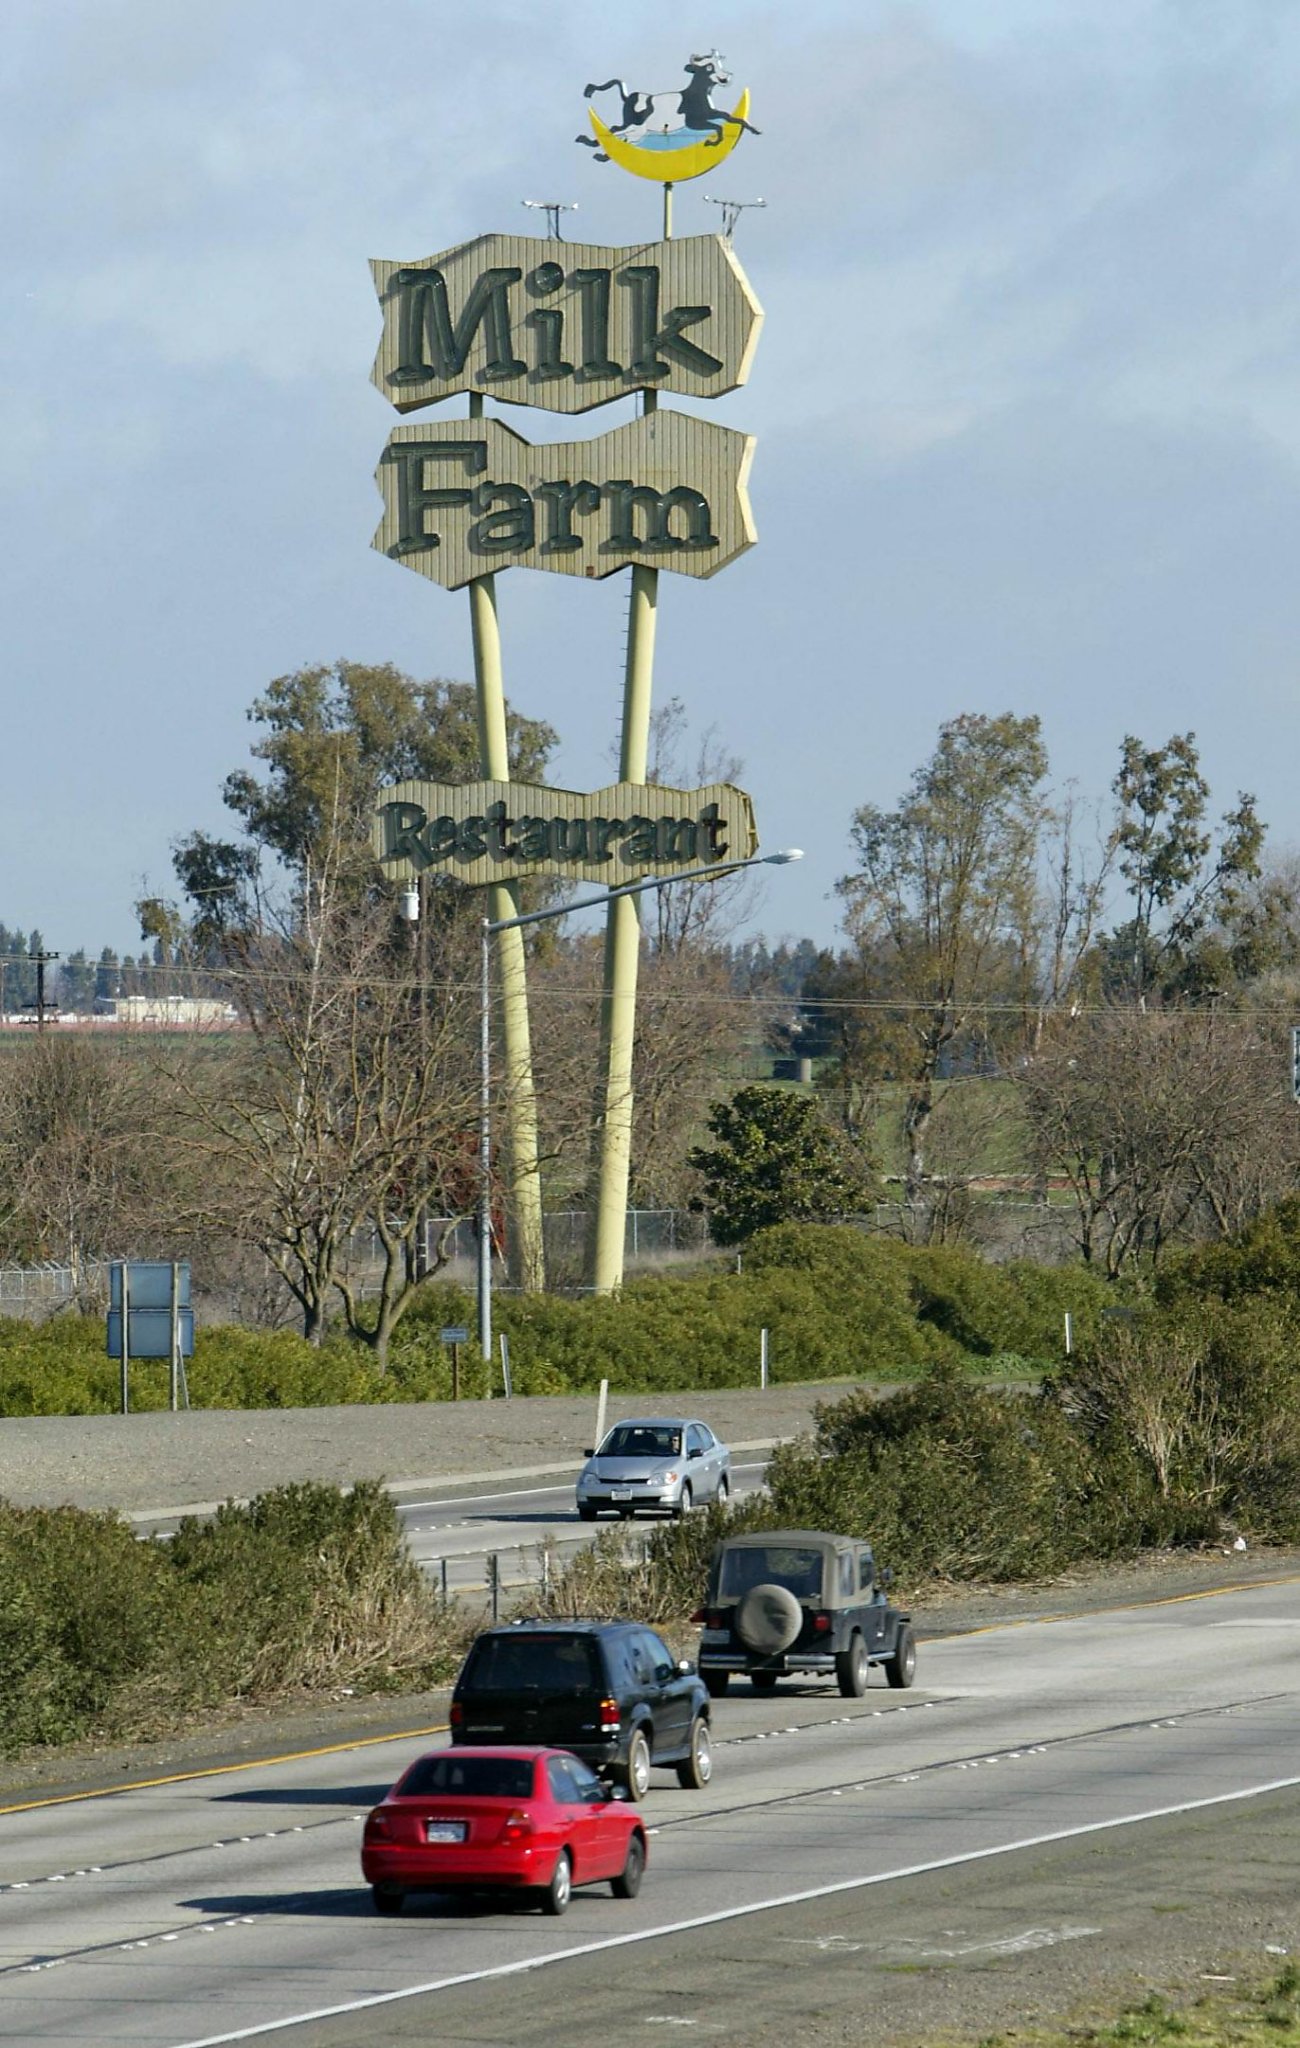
column 1181, row 885
column 775, row 1159
column 107, row 976
column 944, row 905
column 76, row 981
column 331, row 736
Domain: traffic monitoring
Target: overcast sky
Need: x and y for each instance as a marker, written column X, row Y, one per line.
column 1026, row 399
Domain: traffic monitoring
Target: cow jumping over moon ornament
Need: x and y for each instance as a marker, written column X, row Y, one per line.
column 650, row 144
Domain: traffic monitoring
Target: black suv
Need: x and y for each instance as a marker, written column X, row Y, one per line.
column 610, row 1691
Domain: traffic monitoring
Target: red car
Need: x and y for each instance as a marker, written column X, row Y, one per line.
column 532, row 1820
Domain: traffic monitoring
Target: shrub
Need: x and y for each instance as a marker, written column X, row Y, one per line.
column 1204, row 1397
column 306, row 1588
column 1264, row 1258
column 946, row 1480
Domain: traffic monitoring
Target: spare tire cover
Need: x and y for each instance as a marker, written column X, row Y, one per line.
column 768, row 1619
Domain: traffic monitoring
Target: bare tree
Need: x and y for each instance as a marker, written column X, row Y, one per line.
column 352, row 1104
column 1166, row 1125
column 699, row 913
column 87, row 1171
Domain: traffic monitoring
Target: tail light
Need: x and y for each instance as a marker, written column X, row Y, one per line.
column 610, row 1719
column 516, row 1825
column 700, row 1619
column 457, row 1715
column 377, row 1823
column 822, row 1622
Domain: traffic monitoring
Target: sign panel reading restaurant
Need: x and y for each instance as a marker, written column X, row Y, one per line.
column 495, row 831
column 565, row 325
column 463, row 497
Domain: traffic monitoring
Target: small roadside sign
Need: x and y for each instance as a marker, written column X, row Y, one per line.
column 455, row 1333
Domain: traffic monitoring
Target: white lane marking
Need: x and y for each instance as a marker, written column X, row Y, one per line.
column 802, row 1898
column 474, row 1500
column 480, row 1500
column 1008, row 1944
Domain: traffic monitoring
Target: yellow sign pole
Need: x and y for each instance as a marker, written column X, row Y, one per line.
column 612, row 1133
column 524, row 1214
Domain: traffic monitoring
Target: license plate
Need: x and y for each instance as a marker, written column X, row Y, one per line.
column 621, row 1493
column 445, row 1830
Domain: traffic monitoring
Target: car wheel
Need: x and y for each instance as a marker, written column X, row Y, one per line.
column 556, row 1895
column 586, row 1513
column 716, row 1683
column 385, row 1901
column 695, row 1770
column 763, row 1681
column 636, row 1771
column 684, row 1500
column 724, row 1491
column 851, row 1669
column 901, row 1668
column 629, row 1884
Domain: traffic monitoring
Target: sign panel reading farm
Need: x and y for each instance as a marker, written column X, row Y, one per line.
column 496, row 831
column 564, row 325
column 465, row 497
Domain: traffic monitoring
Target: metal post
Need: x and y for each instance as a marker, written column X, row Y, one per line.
column 1069, row 1334
column 612, row 1134
column 762, row 1358
column 613, row 1119
column 485, row 1145
column 601, row 1399
column 174, row 1354
column 126, row 1339
column 503, row 902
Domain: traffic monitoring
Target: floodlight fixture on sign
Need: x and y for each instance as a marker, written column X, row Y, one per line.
column 731, row 212
column 552, row 208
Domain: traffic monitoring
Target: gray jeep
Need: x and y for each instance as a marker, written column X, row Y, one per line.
column 782, row 1601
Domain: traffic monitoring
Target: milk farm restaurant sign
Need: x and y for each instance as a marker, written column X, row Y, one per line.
column 565, row 327
column 497, row 831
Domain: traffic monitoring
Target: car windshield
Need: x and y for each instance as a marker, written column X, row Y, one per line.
column 527, row 1663
column 796, row 1567
column 642, row 1440
column 478, row 1777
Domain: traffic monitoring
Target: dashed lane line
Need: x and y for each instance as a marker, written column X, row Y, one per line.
column 373, row 2000
column 440, row 1728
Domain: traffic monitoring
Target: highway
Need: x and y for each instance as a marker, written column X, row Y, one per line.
column 460, row 1527
column 228, row 1907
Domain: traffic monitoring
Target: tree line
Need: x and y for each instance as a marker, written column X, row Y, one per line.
column 988, row 1009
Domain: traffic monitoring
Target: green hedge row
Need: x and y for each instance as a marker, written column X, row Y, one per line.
column 838, row 1305
column 1179, row 1428
column 303, row 1590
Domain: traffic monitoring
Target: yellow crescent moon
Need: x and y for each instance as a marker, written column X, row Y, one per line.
column 666, row 162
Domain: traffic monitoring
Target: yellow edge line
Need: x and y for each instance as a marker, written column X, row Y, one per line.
column 989, row 1628
column 294, row 1756
column 254, row 1763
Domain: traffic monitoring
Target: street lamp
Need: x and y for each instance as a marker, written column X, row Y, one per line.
column 488, row 928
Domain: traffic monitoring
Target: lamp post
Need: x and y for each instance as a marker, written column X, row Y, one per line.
column 488, row 929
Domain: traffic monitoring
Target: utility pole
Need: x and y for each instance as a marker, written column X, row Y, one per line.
column 39, row 960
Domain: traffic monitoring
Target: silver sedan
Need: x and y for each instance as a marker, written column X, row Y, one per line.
column 666, row 1463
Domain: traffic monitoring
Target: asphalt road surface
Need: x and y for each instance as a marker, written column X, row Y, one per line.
column 451, row 1534
column 1011, row 1826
